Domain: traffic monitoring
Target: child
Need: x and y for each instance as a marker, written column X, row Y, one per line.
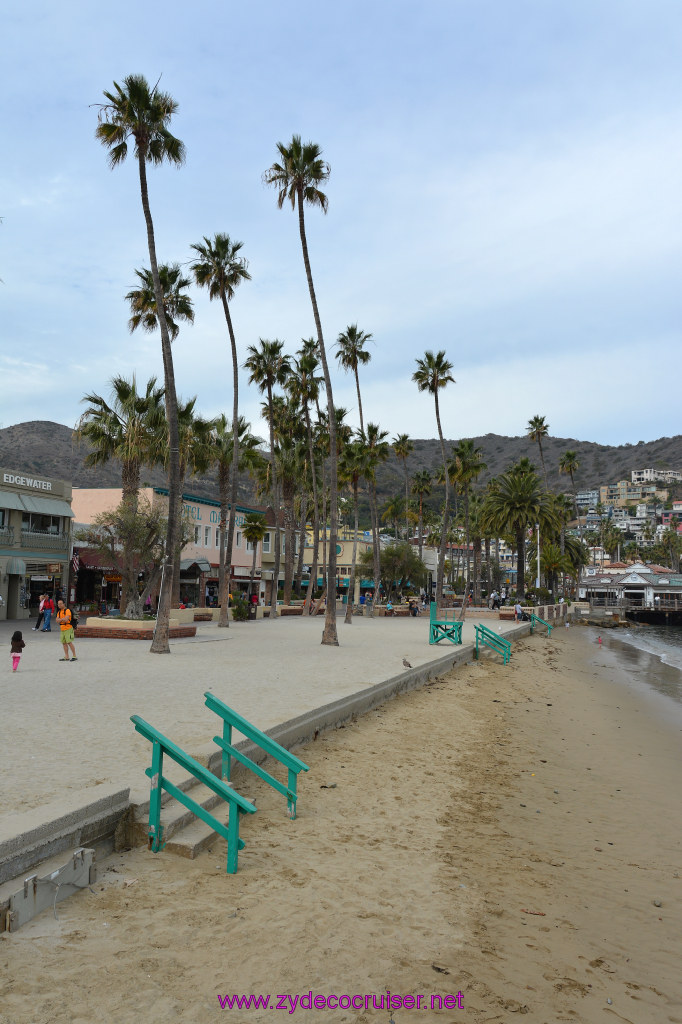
column 16, row 647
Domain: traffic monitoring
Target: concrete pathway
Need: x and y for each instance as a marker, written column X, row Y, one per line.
column 66, row 728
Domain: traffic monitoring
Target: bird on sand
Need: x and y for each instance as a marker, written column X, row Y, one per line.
column 406, row 663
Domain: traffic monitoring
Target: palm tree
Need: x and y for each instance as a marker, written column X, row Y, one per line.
column 536, row 430
column 568, row 463
column 403, row 448
column 269, row 366
column 297, row 178
column 351, row 354
column 516, row 503
column 222, row 455
column 123, row 430
column 176, row 304
column 136, row 112
column 351, row 469
column 221, row 269
column 253, row 530
column 467, row 465
column 391, row 512
column 376, row 451
column 432, row 374
column 421, row 488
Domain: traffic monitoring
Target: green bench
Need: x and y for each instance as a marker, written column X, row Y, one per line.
column 443, row 625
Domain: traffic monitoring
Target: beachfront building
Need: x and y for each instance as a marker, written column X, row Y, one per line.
column 99, row 582
column 35, row 516
column 632, row 588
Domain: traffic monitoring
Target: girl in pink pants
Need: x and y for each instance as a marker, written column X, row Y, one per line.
column 16, row 647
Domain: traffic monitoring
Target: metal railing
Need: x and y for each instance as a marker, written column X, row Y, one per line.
column 6, row 535
column 45, row 541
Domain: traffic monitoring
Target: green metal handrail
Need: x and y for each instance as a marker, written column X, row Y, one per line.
column 486, row 638
column 232, row 719
column 536, row 618
column 237, row 804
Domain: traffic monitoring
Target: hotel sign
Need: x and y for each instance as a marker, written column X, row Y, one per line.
column 26, row 481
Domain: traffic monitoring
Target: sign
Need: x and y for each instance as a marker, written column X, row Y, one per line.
column 26, row 481
column 55, row 567
column 112, row 578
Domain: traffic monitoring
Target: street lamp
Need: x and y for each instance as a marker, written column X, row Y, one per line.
column 537, row 578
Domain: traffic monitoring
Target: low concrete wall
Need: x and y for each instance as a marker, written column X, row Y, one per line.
column 129, row 629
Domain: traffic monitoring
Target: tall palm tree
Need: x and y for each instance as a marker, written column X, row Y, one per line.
column 351, row 469
column 403, row 448
column 536, row 430
column 421, row 488
column 269, row 367
column 253, row 530
column 568, row 463
column 433, row 373
column 298, row 178
column 136, row 112
column 351, row 354
column 177, row 305
column 221, row 269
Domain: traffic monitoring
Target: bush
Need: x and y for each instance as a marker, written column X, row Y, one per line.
column 240, row 609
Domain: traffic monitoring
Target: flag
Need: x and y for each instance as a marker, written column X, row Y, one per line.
column 75, row 561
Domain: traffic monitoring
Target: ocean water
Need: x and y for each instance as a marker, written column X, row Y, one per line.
column 653, row 654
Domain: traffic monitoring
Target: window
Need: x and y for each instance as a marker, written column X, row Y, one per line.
column 266, row 543
column 238, row 541
column 217, row 538
column 33, row 522
column 249, row 546
column 207, row 536
column 197, row 535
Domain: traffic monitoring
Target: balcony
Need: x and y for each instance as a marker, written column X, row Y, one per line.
column 7, row 535
column 44, row 541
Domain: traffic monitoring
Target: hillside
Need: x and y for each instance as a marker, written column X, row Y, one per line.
column 48, row 448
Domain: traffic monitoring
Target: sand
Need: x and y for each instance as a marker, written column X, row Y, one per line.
column 504, row 833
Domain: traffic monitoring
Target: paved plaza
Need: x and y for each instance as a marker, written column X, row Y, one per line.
column 66, row 728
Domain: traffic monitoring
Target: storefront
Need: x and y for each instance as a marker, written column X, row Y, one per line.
column 35, row 540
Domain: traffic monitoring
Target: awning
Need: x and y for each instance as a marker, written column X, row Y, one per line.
column 46, row 506
column 15, row 567
column 10, row 500
column 202, row 564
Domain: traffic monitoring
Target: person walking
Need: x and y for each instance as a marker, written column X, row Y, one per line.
column 41, row 613
column 64, row 618
column 16, row 647
column 48, row 608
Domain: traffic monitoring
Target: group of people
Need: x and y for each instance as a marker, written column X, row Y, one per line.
column 45, row 612
column 65, row 620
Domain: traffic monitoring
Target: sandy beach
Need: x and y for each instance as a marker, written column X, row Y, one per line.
column 508, row 834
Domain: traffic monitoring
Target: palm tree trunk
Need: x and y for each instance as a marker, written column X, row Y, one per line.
column 298, row 575
column 374, row 512
column 520, row 565
column 288, row 505
column 357, row 385
column 235, row 451
column 443, row 539
column 312, row 579
column 421, row 527
column 351, row 582
column 253, row 569
column 329, row 634
column 274, row 483
column 223, row 577
column 407, row 501
column 160, row 643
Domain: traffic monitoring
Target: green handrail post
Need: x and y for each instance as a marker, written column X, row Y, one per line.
column 237, row 804
column 492, row 640
column 536, row 618
column 232, row 719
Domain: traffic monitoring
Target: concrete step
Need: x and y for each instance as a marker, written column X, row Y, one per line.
column 174, row 815
column 191, row 840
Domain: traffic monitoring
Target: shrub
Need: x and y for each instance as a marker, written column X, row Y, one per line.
column 240, row 609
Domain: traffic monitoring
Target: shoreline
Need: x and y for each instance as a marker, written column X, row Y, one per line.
column 412, row 866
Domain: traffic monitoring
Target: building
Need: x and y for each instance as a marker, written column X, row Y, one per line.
column 587, row 499
column 99, row 582
column 632, row 588
column 647, row 476
column 35, row 538
column 623, row 492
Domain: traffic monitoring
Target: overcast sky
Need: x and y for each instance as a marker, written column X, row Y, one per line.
column 505, row 185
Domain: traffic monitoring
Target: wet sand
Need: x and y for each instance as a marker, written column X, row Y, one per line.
column 512, row 834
